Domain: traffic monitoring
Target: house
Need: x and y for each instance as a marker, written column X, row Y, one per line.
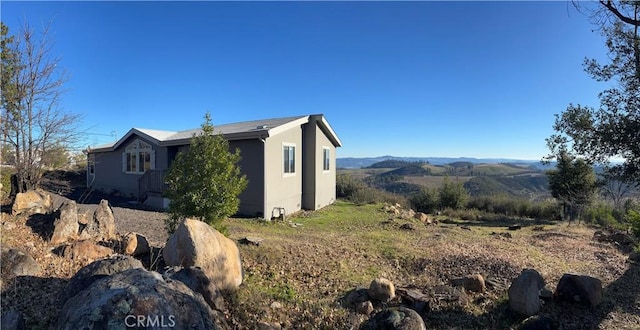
column 290, row 163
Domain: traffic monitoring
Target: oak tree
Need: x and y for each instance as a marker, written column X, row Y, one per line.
column 612, row 129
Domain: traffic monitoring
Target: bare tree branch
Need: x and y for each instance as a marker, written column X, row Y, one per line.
column 612, row 8
column 34, row 123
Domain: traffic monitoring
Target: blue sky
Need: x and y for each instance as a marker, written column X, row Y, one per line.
column 442, row 79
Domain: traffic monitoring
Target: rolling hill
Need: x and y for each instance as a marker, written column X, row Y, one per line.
column 408, row 177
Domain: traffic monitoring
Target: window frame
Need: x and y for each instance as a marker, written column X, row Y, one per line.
column 136, row 156
column 288, row 151
column 326, row 159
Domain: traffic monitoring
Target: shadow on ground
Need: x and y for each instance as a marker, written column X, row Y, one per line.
column 34, row 297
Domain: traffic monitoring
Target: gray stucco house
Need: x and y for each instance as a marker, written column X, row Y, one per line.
column 290, row 163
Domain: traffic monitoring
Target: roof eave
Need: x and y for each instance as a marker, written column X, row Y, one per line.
column 229, row 137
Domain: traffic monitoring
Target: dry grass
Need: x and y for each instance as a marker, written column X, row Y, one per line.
column 309, row 269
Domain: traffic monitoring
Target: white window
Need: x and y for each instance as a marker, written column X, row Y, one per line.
column 91, row 163
column 289, row 157
column 138, row 157
column 326, row 159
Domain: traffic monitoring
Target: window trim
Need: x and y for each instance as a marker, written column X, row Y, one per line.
column 285, row 146
column 326, row 159
column 136, row 150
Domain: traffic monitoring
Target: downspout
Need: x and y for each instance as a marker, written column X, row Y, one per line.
column 264, row 178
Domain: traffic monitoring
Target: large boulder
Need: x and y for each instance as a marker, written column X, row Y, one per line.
column 137, row 298
column 97, row 270
column 85, row 251
column 396, row 318
column 66, row 226
column 32, row 202
column 580, row 289
column 196, row 280
column 381, row 289
column 135, row 244
column 102, row 226
column 195, row 243
column 17, row 263
column 524, row 292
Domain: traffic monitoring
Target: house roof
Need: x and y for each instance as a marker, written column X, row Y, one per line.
column 254, row 129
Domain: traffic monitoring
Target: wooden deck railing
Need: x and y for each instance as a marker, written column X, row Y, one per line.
column 152, row 181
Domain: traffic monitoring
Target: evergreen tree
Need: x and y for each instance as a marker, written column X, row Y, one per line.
column 572, row 183
column 204, row 181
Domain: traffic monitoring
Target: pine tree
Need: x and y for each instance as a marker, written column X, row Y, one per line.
column 204, row 181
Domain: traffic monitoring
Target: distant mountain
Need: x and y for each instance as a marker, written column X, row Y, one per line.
column 351, row 162
column 394, row 163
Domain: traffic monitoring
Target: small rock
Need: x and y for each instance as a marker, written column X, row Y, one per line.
column 416, row 299
column 465, row 227
column 251, row 241
column 276, row 305
column 135, row 244
column 407, row 226
column 381, row 289
column 421, row 217
column 474, row 283
column 365, row 307
column 515, row 227
column 356, row 296
column 504, row 235
column 397, row 318
column 86, row 250
column 580, row 289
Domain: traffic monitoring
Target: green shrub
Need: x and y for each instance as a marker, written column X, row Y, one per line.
column 452, row 194
column 513, row 206
column 346, row 186
column 601, row 214
column 425, row 201
column 633, row 217
column 360, row 193
column 5, row 179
